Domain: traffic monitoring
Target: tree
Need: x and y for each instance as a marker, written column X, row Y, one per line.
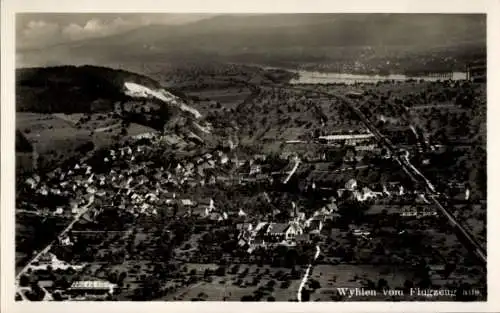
column 285, row 284
column 408, row 284
column 24, row 281
column 62, row 282
column 247, row 298
column 271, row 283
column 382, row 284
column 314, row 284
column 306, row 295
column 220, row 271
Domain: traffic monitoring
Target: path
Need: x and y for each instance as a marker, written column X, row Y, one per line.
column 295, row 167
column 342, row 169
column 306, row 275
column 49, row 246
column 433, row 106
column 102, row 129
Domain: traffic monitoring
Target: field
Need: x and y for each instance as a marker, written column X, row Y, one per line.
column 232, row 287
column 50, row 133
column 57, row 137
column 228, row 97
column 53, row 138
column 331, row 277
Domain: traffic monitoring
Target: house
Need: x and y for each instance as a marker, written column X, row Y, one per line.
column 187, row 202
column 314, row 225
column 354, row 95
column 208, row 204
column 436, row 267
column 277, row 231
column 283, row 231
column 151, row 197
column 91, row 190
column 348, row 139
column 366, row 194
column 301, row 216
column 91, row 287
column 351, row 184
column 31, row 182
column 361, row 233
column 207, row 156
column 147, row 135
column 303, row 238
column 328, row 209
column 51, row 260
column 369, row 147
column 241, row 213
column 261, row 157
column 255, row 169
column 66, row 241
column 436, row 271
column 218, row 216
column 211, row 180
column 46, row 283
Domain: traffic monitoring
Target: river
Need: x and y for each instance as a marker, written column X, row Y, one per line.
column 314, row 77
column 309, row 77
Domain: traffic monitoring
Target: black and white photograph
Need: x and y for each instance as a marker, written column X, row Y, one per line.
column 250, row 157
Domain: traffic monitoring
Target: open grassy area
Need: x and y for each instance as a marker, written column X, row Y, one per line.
column 248, row 280
column 331, row 277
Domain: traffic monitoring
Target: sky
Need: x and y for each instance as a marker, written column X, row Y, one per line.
column 36, row 30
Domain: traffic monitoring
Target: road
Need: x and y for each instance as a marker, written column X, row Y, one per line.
column 295, row 167
column 462, row 233
column 414, row 174
column 102, row 129
column 49, row 246
column 306, row 275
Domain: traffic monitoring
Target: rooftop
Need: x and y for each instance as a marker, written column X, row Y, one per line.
column 346, row 136
column 92, row 284
column 277, row 228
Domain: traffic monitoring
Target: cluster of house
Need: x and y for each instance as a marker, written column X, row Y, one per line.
column 351, row 189
column 138, row 188
column 49, row 260
column 79, row 290
column 297, row 230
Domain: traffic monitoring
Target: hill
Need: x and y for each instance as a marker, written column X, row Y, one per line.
column 70, row 111
column 71, row 89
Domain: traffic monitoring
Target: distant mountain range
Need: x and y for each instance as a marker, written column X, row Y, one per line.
column 295, row 37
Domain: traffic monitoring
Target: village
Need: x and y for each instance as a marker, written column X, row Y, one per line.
column 141, row 181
